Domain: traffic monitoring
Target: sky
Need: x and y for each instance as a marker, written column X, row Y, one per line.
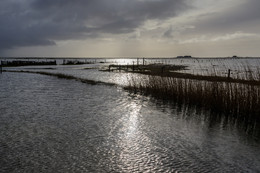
column 129, row 28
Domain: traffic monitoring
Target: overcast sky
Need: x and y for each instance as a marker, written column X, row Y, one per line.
column 129, row 28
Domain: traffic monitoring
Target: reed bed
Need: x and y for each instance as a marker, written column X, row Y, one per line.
column 241, row 69
column 237, row 99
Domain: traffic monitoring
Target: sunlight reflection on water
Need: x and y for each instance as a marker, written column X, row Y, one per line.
column 49, row 124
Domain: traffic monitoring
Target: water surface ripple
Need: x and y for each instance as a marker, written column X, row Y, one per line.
column 56, row 125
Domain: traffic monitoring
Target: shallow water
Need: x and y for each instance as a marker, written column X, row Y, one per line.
column 56, row 125
column 240, row 68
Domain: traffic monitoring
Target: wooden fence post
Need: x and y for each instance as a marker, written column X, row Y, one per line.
column 162, row 68
column 1, row 69
column 229, row 73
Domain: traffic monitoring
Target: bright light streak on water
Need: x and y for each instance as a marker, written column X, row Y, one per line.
column 56, row 125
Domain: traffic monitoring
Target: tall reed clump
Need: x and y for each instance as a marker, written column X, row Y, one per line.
column 239, row 100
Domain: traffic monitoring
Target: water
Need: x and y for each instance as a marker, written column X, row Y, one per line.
column 241, row 68
column 57, row 125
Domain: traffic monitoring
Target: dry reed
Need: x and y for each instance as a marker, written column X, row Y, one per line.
column 241, row 100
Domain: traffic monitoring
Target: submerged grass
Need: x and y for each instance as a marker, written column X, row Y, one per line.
column 64, row 76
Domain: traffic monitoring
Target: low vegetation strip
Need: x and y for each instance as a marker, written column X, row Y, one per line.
column 163, row 70
column 27, row 63
column 64, row 76
column 238, row 100
column 210, row 78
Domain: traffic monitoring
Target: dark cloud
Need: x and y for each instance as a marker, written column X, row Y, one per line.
column 42, row 22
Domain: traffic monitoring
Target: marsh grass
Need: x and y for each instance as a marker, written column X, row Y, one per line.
column 239, row 98
column 243, row 75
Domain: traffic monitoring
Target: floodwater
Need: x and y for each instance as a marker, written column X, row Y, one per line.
column 49, row 124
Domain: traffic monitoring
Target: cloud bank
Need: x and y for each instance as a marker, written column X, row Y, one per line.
column 129, row 27
column 43, row 22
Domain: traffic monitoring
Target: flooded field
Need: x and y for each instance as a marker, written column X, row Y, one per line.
column 48, row 124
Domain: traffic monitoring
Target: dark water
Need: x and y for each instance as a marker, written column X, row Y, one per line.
column 56, row 125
